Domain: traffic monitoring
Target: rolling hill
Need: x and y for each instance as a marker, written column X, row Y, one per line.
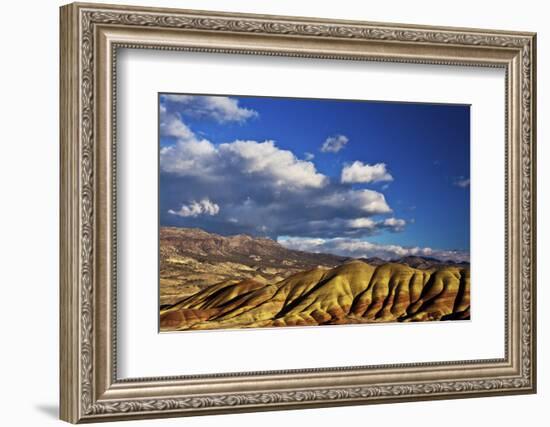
column 352, row 292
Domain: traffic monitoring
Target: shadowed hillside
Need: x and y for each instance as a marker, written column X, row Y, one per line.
column 353, row 292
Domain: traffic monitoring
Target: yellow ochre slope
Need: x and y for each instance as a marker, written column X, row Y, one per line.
column 355, row 292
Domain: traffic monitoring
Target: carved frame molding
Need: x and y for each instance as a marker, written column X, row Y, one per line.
column 90, row 37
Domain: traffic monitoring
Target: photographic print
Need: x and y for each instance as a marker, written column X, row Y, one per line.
column 278, row 212
column 292, row 180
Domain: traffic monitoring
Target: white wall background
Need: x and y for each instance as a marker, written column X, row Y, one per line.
column 29, row 170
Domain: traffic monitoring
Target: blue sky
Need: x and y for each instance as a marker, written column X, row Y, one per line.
column 356, row 178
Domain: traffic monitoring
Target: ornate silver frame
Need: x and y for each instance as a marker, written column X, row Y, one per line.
column 90, row 36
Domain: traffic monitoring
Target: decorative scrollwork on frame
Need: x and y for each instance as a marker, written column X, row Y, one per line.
column 322, row 395
column 90, row 18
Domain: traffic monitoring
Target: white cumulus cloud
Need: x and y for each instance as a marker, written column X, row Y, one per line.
column 223, row 109
column 194, row 156
column 359, row 248
column 368, row 201
column 194, row 209
column 358, row 172
column 462, row 182
column 395, row 224
column 259, row 187
column 171, row 125
column 335, row 143
column 265, row 158
column 361, row 223
column 188, row 157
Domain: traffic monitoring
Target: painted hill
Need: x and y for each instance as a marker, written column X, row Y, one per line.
column 353, row 292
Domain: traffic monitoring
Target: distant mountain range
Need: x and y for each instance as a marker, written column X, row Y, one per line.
column 191, row 259
column 204, row 246
column 241, row 248
column 211, row 281
column 414, row 261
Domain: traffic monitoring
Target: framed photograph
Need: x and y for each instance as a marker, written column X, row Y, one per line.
column 266, row 212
